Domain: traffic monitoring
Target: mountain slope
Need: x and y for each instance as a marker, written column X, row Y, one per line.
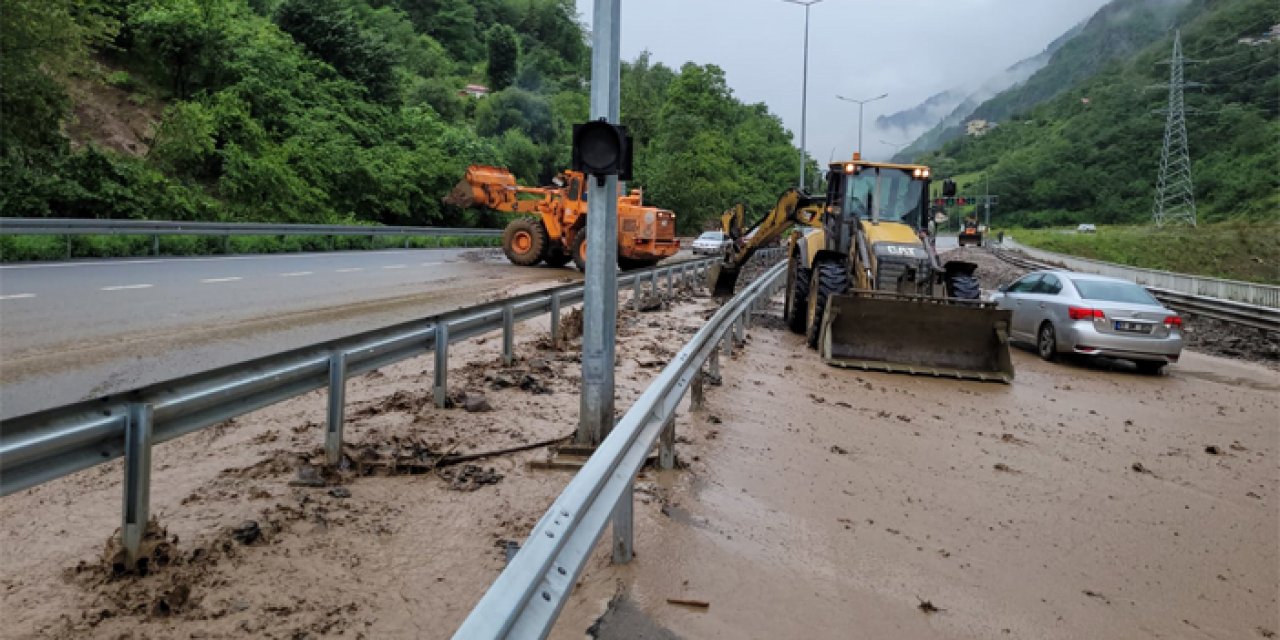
column 1092, row 153
column 1117, row 31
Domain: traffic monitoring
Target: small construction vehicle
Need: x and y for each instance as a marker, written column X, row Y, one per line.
column 864, row 284
column 552, row 222
column 971, row 233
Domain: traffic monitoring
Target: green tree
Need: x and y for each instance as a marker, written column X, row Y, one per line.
column 330, row 31
column 504, row 56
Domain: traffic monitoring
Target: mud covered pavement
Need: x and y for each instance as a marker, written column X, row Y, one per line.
column 255, row 537
column 1078, row 502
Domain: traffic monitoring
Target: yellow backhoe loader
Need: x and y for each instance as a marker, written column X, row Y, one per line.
column 865, row 285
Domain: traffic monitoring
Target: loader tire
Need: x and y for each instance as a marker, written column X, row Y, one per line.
column 830, row 278
column 579, row 252
column 793, row 310
column 964, row 287
column 524, row 241
column 556, row 256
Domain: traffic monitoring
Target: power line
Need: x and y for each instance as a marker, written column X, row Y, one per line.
column 1175, row 198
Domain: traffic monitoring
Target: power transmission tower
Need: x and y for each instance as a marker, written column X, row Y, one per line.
column 1175, row 197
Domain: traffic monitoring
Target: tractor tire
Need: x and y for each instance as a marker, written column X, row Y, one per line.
column 556, row 256
column 964, row 287
column 524, row 241
column 829, row 278
column 793, row 310
column 579, row 253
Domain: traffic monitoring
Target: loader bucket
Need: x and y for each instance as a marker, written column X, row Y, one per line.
column 722, row 279
column 943, row 337
column 461, row 196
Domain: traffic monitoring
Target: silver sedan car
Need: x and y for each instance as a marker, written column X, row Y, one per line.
column 1067, row 312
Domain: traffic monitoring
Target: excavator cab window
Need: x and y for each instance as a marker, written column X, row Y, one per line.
column 575, row 190
column 887, row 194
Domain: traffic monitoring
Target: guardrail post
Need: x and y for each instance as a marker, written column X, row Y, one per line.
column 671, row 283
column 155, row 245
column 508, row 335
column 713, row 365
column 441, row 373
column 635, row 293
column 623, row 529
column 226, row 244
column 337, row 407
column 653, row 283
column 555, row 320
column 68, row 246
column 697, row 398
column 137, row 481
column 740, row 329
column 667, row 444
column 727, row 341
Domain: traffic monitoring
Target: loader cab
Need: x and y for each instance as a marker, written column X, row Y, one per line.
column 879, row 192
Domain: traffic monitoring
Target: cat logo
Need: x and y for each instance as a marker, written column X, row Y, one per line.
column 909, row 252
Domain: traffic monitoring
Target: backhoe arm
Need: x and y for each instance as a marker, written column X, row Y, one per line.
column 793, row 206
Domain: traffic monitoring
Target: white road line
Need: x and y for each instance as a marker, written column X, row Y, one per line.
column 294, row 274
column 431, row 264
column 350, row 269
column 394, row 266
column 214, row 280
column 15, row 296
column 272, row 256
column 121, row 287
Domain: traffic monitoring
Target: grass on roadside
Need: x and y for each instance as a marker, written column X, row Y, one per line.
column 1234, row 250
column 51, row 247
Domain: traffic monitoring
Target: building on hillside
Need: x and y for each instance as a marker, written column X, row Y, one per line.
column 1270, row 35
column 474, row 91
column 978, row 127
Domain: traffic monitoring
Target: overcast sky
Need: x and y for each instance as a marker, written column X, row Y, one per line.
column 909, row 49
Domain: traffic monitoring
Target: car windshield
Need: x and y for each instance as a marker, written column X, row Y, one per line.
column 1111, row 291
column 892, row 194
column 711, row 235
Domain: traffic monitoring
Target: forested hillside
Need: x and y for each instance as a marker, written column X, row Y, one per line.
column 1091, row 154
column 339, row 110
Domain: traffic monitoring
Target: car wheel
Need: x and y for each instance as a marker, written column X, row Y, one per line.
column 1150, row 367
column 1047, row 342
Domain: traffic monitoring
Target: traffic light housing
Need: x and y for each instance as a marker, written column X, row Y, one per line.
column 601, row 149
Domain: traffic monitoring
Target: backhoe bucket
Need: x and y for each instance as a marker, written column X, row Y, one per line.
column 722, row 279
column 943, row 337
column 461, row 196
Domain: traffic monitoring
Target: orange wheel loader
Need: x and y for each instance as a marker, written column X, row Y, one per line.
column 551, row 225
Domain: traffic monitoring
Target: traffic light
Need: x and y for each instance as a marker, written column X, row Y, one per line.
column 602, row 149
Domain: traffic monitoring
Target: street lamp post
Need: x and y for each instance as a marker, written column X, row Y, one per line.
column 804, row 90
column 860, row 103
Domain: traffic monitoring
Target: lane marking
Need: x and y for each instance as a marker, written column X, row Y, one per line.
column 295, row 274
column 121, row 287
column 213, row 280
column 394, row 266
column 15, row 296
column 108, row 263
column 350, row 269
column 431, row 264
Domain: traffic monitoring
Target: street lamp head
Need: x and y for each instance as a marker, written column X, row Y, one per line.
column 803, row 3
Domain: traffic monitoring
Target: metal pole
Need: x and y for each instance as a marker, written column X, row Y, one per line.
column 667, row 444
column 804, row 96
column 337, row 407
column 600, row 289
column 623, row 523
column 508, row 335
column 441, row 373
column 860, row 128
column 137, row 482
column 555, row 320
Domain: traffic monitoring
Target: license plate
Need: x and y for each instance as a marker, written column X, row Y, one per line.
column 1133, row 327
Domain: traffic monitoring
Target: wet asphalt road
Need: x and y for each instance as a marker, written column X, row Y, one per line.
column 72, row 330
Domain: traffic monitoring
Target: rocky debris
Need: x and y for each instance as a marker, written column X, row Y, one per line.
column 838, row 450
column 340, row 492
column 249, row 532
column 571, row 325
column 1213, row 450
column 476, row 403
column 157, row 550
column 648, row 303
column 1140, row 468
column 1218, row 338
column 469, row 477
column 533, row 385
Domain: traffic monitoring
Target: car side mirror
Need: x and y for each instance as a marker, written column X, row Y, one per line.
column 1003, row 288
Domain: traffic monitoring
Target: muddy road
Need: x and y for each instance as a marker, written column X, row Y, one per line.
column 815, row 502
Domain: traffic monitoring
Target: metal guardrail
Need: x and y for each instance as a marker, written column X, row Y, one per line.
column 49, row 444
column 1259, row 317
column 528, row 595
column 1251, row 293
column 70, row 227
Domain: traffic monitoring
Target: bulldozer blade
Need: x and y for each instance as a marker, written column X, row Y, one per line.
column 722, row 279
column 921, row 335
